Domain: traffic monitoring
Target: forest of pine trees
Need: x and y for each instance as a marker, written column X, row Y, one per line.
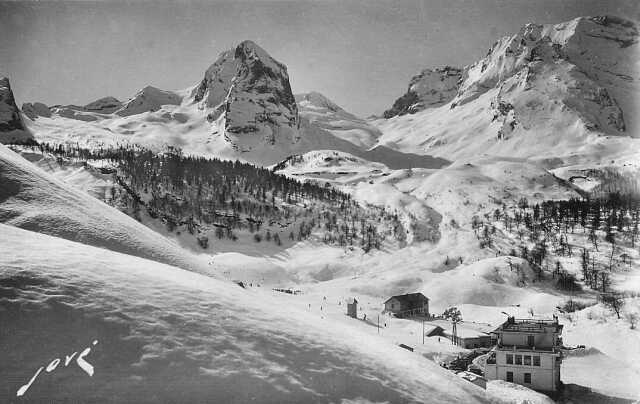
column 197, row 194
column 596, row 234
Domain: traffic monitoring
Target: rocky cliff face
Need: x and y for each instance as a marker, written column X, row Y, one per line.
column 247, row 93
column 431, row 88
column 12, row 128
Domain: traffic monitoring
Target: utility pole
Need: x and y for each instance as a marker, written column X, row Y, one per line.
column 378, row 323
column 422, row 331
column 454, row 337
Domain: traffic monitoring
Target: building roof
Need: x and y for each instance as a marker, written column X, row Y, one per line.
column 409, row 298
column 529, row 325
column 352, row 300
column 433, row 330
column 463, row 332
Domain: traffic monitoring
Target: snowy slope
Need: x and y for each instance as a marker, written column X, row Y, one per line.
column 34, row 200
column 324, row 113
column 168, row 335
column 549, row 90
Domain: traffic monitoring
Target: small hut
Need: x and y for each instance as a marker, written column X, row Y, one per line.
column 352, row 307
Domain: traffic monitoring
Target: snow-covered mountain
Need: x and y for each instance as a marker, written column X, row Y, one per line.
column 149, row 99
column 243, row 109
column 320, row 111
column 248, row 94
column 554, row 90
column 537, row 120
column 12, row 128
column 104, row 105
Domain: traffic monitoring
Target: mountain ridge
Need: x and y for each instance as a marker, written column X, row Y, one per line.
column 550, row 89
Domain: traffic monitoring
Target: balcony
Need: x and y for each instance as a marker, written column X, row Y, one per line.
column 527, row 348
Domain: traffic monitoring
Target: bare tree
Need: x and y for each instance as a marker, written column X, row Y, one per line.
column 632, row 318
column 613, row 301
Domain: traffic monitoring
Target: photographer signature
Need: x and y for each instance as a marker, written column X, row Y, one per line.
column 80, row 361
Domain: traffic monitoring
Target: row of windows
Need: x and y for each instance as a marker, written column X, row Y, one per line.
column 527, row 377
column 519, row 360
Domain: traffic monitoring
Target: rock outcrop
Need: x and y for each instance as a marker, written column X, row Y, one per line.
column 35, row 110
column 431, row 88
column 12, row 128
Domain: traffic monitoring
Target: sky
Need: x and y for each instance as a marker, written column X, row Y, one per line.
column 360, row 54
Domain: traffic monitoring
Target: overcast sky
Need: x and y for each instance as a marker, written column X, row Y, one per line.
column 360, row 54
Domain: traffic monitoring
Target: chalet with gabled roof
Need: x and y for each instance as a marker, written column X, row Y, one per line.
column 408, row 305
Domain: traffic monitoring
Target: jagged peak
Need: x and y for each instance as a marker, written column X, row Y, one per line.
column 248, row 45
column 4, row 82
column 319, row 100
column 152, row 90
column 248, row 51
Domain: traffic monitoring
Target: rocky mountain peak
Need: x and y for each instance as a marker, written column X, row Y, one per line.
column 149, row 99
column 315, row 100
column 248, row 94
column 104, row 105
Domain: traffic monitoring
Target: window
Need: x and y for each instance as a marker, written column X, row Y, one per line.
column 536, row 361
column 530, row 340
column 527, row 378
column 527, row 360
column 518, row 359
column 509, row 359
column 510, row 377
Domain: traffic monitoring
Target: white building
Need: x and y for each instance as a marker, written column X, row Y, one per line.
column 527, row 352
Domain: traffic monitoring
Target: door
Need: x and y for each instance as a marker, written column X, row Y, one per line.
column 510, row 377
column 530, row 340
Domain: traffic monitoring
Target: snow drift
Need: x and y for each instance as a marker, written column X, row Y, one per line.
column 168, row 335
